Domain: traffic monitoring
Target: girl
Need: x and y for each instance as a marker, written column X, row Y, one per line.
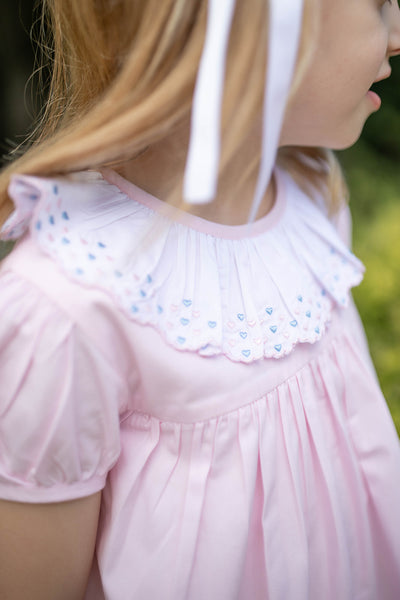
column 188, row 409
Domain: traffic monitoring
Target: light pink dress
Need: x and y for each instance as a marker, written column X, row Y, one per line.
column 213, row 381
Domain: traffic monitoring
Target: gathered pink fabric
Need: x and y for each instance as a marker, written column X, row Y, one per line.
column 276, row 478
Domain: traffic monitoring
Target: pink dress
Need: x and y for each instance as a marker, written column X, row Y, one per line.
column 213, row 381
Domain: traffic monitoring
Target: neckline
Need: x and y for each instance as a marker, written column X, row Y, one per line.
column 200, row 224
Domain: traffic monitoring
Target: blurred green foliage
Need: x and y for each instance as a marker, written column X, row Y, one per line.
column 5, row 248
column 373, row 176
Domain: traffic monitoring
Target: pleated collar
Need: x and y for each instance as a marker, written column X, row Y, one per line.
column 247, row 292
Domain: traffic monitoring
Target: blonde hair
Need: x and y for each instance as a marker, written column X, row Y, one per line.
column 122, row 77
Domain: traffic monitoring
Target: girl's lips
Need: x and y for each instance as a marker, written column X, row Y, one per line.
column 375, row 99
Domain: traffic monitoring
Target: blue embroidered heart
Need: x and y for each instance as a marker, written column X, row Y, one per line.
column 278, row 347
column 79, row 271
column 187, row 303
column 243, row 335
column 118, row 274
column 101, row 245
column 149, row 279
column 134, row 308
column 240, row 316
column 33, row 197
column 317, row 330
column 160, row 309
column 300, row 298
column 55, row 189
column 91, row 256
column 65, row 241
column 212, row 324
column 274, row 328
column 185, row 321
column 181, row 340
column 65, row 216
column 38, row 225
column 308, row 314
column 269, row 310
column 293, row 323
column 51, row 220
column 246, row 353
column 143, row 293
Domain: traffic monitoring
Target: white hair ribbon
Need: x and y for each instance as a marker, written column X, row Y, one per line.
column 202, row 168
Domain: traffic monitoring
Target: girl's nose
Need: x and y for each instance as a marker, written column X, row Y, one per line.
column 394, row 28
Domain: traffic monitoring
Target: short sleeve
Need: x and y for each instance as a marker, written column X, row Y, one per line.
column 59, row 399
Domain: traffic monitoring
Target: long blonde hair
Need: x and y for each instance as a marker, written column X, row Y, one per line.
column 122, row 77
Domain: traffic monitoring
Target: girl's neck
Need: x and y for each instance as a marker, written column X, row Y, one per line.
column 159, row 171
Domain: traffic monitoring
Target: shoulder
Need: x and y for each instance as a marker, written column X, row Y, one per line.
column 36, row 293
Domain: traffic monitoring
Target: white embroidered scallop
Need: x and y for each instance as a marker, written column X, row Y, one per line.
column 246, row 297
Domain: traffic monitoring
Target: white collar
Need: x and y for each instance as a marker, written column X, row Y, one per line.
column 247, row 298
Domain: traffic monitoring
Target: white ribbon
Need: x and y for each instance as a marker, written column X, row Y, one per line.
column 201, row 175
column 202, row 168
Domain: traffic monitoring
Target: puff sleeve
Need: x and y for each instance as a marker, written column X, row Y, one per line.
column 59, row 398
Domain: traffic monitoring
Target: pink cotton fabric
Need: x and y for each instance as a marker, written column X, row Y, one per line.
column 273, row 480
